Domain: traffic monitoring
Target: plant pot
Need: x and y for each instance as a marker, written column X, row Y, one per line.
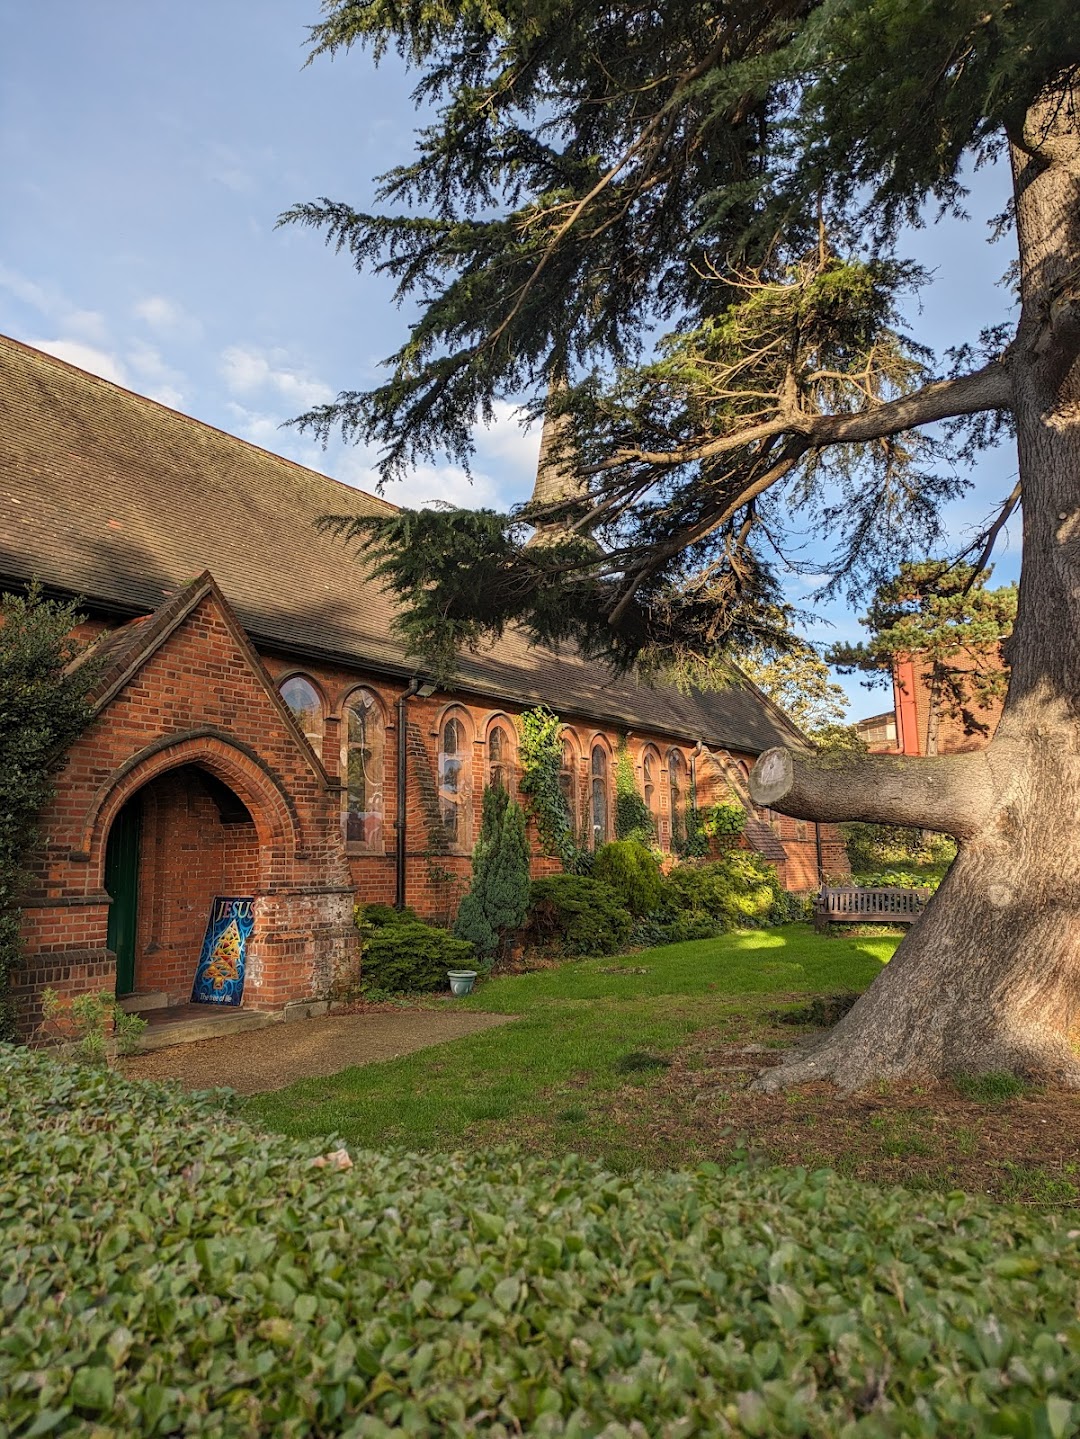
column 461, row 980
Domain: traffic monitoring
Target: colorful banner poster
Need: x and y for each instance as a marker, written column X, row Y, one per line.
column 219, row 978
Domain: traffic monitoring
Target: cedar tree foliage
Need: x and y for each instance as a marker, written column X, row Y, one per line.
column 684, row 213
column 673, row 228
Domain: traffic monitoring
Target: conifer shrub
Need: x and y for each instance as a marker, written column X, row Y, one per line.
column 406, row 956
column 577, row 915
column 498, row 899
column 633, row 872
column 198, row 1277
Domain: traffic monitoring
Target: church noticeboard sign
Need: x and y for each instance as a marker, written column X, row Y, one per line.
column 219, row 978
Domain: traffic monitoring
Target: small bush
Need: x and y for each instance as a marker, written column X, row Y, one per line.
column 167, row 1270
column 94, row 1025
column 740, row 890
column 577, row 915
column 632, row 871
column 898, row 879
column 408, row 956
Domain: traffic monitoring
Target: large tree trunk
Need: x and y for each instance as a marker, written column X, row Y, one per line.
column 989, row 978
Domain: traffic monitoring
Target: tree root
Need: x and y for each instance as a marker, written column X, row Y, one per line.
column 851, row 1068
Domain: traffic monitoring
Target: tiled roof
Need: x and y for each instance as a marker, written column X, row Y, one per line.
column 117, row 498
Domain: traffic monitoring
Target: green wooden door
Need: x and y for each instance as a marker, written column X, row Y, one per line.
column 122, row 882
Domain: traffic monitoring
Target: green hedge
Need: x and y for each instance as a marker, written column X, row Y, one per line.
column 164, row 1270
column 576, row 915
column 402, row 955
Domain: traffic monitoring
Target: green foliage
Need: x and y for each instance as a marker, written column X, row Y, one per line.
column 676, row 927
column 943, row 616
column 898, row 878
column 871, row 846
column 631, row 869
column 632, row 817
column 540, row 758
column 93, row 1024
column 577, row 915
column 239, row 1288
column 740, row 890
column 693, row 224
column 498, row 900
column 799, row 682
column 722, row 819
column 402, row 955
column 378, row 916
column 43, row 710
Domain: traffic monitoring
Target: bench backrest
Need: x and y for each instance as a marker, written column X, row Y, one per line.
column 872, row 902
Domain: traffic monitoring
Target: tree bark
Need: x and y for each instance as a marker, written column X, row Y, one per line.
column 989, row 977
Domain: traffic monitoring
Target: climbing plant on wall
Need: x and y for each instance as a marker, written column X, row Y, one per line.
column 43, row 708
column 540, row 751
column 632, row 817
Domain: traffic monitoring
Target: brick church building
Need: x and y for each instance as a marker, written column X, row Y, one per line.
column 259, row 730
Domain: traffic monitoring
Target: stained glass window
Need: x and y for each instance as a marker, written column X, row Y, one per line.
column 454, row 782
column 650, row 767
column 303, row 699
column 677, row 796
column 500, row 759
column 599, row 816
column 363, row 769
column 568, row 782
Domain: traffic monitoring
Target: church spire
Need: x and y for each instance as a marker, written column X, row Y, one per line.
column 558, row 478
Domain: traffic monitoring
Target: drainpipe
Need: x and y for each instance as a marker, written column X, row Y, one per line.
column 402, row 787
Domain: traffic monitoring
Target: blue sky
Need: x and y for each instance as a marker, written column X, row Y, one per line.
column 146, row 150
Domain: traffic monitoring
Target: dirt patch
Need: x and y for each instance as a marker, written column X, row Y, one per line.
column 1024, row 1148
column 272, row 1058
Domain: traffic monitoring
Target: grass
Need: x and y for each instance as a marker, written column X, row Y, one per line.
column 580, row 1034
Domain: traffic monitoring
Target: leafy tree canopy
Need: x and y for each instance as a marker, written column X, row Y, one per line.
column 683, row 215
column 798, row 680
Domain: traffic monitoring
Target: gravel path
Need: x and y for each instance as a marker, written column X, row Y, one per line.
column 274, row 1057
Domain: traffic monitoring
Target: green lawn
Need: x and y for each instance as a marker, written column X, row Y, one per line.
column 563, row 1054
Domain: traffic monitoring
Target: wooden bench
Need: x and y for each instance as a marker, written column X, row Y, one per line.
column 853, row 905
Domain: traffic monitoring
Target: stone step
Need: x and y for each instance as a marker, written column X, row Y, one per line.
column 163, row 1030
column 143, row 999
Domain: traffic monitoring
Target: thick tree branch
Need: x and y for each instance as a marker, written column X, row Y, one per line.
column 987, row 389
column 953, row 794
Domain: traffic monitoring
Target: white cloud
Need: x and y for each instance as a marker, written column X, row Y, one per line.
column 247, row 371
column 423, row 487
column 166, row 317
column 50, row 303
column 87, row 357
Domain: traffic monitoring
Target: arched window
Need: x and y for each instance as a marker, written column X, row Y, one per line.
column 599, row 795
column 500, row 758
column 303, row 699
column 650, row 785
column 454, row 781
column 676, row 773
column 568, row 783
column 362, row 765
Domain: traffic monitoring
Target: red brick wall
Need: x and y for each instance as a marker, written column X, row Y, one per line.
column 202, row 698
